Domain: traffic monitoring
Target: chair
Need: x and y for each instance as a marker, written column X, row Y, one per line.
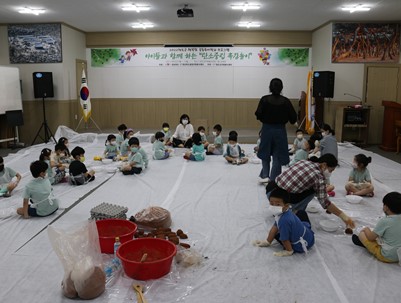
column 397, row 125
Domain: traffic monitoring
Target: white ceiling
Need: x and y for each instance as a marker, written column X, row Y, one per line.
column 106, row 15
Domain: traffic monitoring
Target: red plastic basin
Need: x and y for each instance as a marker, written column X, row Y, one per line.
column 160, row 254
column 109, row 229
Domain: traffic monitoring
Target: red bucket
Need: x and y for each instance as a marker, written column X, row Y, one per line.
column 160, row 254
column 109, row 229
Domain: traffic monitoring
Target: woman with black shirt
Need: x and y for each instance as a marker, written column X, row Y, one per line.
column 274, row 111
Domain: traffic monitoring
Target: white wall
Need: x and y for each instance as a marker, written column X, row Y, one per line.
column 64, row 82
column 348, row 76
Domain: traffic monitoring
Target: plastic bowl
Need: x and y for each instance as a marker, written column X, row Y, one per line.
column 107, row 161
column 312, row 209
column 160, row 254
column 329, row 225
column 109, row 229
column 353, row 199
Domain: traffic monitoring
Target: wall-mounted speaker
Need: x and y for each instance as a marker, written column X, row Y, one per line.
column 43, row 84
column 323, row 84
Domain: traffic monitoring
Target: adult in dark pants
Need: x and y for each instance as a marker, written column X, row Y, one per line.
column 274, row 111
column 183, row 133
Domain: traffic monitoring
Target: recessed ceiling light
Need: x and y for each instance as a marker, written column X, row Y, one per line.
column 142, row 25
column 32, row 11
column 248, row 24
column 137, row 8
column 246, row 6
column 356, row 8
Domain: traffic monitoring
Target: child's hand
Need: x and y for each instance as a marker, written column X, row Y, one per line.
column 261, row 243
column 283, row 253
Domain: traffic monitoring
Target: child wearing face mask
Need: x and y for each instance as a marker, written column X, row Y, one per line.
column 328, row 144
column 384, row 242
column 38, row 199
column 57, row 175
column 124, row 147
column 298, row 142
column 201, row 131
column 67, row 155
column 302, row 154
column 167, row 134
column 160, row 152
column 360, row 182
column 197, row 152
column 7, row 174
column 79, row 174
column 135, row 162
column 292, row 231
column 59, row 154
column 217, row 147
column 120, row 136
column 111, row 148
column 183, row 133
column 234, row 154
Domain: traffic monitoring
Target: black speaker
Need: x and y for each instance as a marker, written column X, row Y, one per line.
column 43, row 84
column 323, row 84
column 14, row 118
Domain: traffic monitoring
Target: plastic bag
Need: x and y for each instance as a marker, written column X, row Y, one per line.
column 188, row 257
column 79, row 252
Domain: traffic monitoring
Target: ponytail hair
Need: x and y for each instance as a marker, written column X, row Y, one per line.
column 362, row 159
column 46, row 152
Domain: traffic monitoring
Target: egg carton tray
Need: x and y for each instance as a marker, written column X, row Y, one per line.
column 108, row 211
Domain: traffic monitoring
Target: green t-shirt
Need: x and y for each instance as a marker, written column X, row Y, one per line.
column 389, row 231
column 144, row 156
column 137, row 158
column 199, row 152
column 360, row 176
column 159, row 150
column 6, row 176
column 39, row 192
column 218, row 143
column 124, row 148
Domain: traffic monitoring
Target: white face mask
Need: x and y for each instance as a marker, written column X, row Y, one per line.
column 327, row 174
column 276, row 211
column 354, row 165
column 184, row 121
column 214, row 133
column 324, row 134
column 201, row 133
column 113, row 143
column 300, row 136
column 233, row 145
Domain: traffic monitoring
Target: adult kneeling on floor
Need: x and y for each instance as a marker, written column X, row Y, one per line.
column 306, row 179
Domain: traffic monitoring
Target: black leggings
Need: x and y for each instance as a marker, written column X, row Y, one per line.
column 187, row 144
column 134, row 170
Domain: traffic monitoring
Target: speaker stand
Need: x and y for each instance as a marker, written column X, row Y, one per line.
column 48, row 132
column 79, row 123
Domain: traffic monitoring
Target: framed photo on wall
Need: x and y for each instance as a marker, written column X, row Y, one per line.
column 35, row 43
column 365, row 43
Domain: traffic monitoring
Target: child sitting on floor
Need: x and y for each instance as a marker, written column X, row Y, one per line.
column 197, row 152
column 7, row 185
column 167, row 134
column 160, row 152
column 201, row 131
column 67, row 155
column 384, row 242
column 38, row 199
column 79, row 174
column 217, row 147
column 124, row 147
column 303, row 153
column 111, row 148
column 135, row 162
column 360, row 182
column 298, row 142
column 234, row 154
column 54, row 176
column 292, row 231
column 120, row 136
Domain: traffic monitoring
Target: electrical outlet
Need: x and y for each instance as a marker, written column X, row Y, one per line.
column 76, row 117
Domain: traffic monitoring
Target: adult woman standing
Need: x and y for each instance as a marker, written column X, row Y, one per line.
column 274, row 111
column 183, row 133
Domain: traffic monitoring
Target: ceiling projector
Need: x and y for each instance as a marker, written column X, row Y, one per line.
column 185, row 12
